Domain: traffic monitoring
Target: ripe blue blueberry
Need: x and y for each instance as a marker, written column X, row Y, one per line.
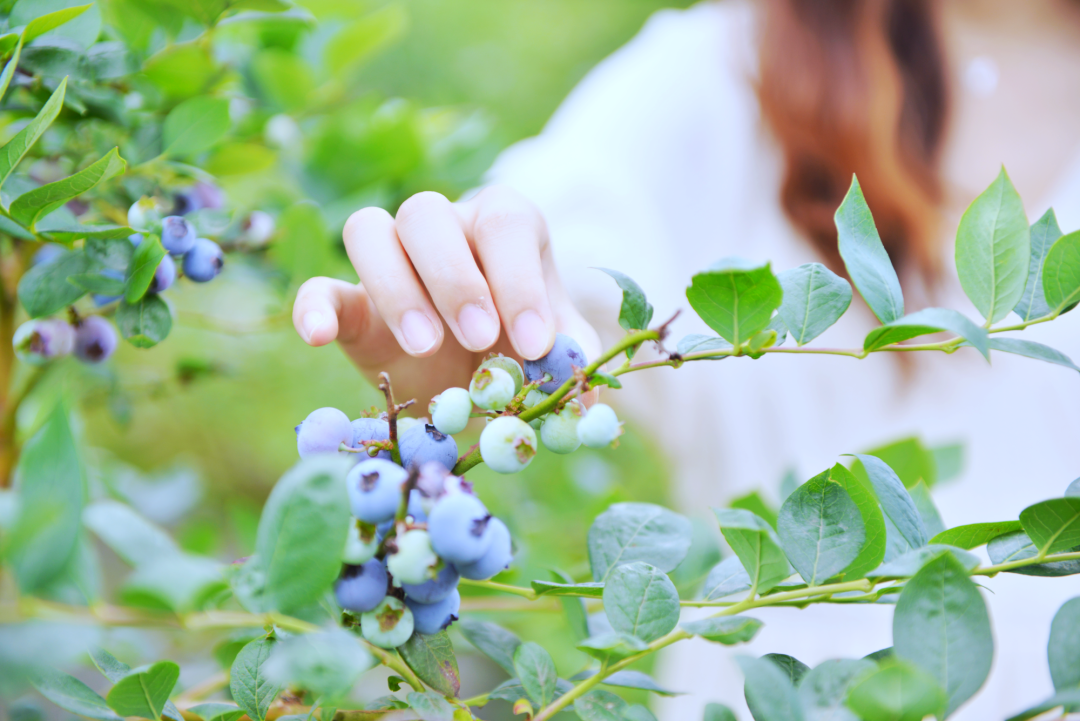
column 164, row 276
column 429, row 618
column 370, row 429
column 39, row 341
column 458, row 528
column 389, row 625
column 95, row 339
column 510, row 366
column 491, row 388
column 360, row 546
column 496, row 559
column 177, row 235
column 204, row 261
column 559, row 431
column 559, row 363
column 416, row 507
column 600, row 427
column 412, row 561
column 424, row 443
column 323, row 431
column 450, row 410
column 507, row 444
column 374, row 488
column 435, row 589
column 362, row 587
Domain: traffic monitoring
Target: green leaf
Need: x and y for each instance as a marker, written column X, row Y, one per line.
column 327, row 663
column 696, row 343
column 897, row 692
column 974, row 535
column 769, row 691
column 143, row 266
column 145, row 690
column 17, row 147
column 215, row 711
column 114, row 253
column 1032, row 303
column 1053, row 525
column 430, row 706
column 44, row 23
column 535, row 669
column 865, row 258
column 1061, row 273
column 814, row 299
column 735, row 298
column 1016, row 546
column 1069, row 700
column 492, row 640
column 728, row 630
column 791, row 666
column 757, row 505
column 628, row 532
column 108, row 664
column 941, row 625
column 44, row 289
column 130, row 536
column 284, row 78
column 195, row 125
column 895, row 500
column 97, row 283
column 824, row 689
column 1031, row 349
column 821, row 529
column 726, row 578
column 1063, row 651
column 873, row 550
column 928, row 512
column 51, row 496
column 78, row 30
column 251, row 689
column 923, row 322
column 591, row 589
column 39, row 202
column 360, row 39
column 756, row 545
column 628, row 679
column 9, row 69
column 600, row 705
column 993, row 249
column 181, row 70
column 908, row 564
column 636, row 312
column 910, row 460
column 181, row 582
column 612, row 647
column 146, row 323
column 431, row 657
column 71, row 694
column 641, row 600
column 577, row 616
column 718, row 712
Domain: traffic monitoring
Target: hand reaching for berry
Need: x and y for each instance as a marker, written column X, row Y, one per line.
column 481, row 269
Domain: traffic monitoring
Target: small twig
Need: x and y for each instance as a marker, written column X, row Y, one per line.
column 392, row 411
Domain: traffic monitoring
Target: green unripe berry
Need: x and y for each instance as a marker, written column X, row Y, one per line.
column 413, row 562
column 507, row 444
column 450, row 410
column 389, row 625
column 509, row 365
column 491, row 388
column 600, row 427
column 559, row 430
column 357, row 551
column 404, row 424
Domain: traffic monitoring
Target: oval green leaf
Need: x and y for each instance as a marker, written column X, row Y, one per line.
column 868, row 264
column 641, row 600
column 735, row 298
column 814, row 299
column 820, row 529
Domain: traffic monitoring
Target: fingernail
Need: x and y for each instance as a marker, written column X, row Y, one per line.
column 477, row 326
column 417, row 331
column 312, row 320
column 530, row 334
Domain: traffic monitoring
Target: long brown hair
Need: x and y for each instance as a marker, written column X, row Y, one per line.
column 858, row 86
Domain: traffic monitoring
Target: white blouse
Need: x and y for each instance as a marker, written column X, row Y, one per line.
column 658, row 165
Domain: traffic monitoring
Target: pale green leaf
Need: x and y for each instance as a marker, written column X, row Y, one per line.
column 908, row 564
column 974, row 535
column 216, row 711
column 896, row 502
column 130, row 536
column 735, row 298
column 1053, row 525
column 591, row 589
column 865, row 258
column 628, row 532
column 143, row 267
column 728, row 630
column 146, row 323
column 824, row 688
column 1068, row 700
column 821, row 529
column 612, row 647
column 641, row 600
column 9, row 69
column 430, row 706
column 1032, row 303
column 1061, row 273
column 251, row 689
column 431, row 657
column 1016, row 546
column 600, row 705
column 897, row 692
column 50, row 21
column 144, row 691
column 492, row 640
column 814, row 299
column 726, row 578
column 44, row 289
column 17, row 147
column 1063, row 651
column 30, row 206
column 327, row 663
column 636, row 312
column 1031, row 349
column 195, row 125
column 535, row 670
column 756, row 545
column 71, row 694
column 924, row 322
column 873, row 550
column 769, row 691
column 628, row 679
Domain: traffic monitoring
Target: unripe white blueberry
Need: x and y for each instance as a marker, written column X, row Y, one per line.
column 414, row 562
column 559, row 431
column 509, row 365
column 356, row 550
column 531, row 399
column 507, row 444
column 450, row 410
column 404, row 424
column 144, row 213
column 389, row 625
column 323, row 431
column 491, row 388
column 600, row 427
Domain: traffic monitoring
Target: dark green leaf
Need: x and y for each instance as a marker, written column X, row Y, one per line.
column 1061, row 272
column 769, row 692
column 867, row 263
column 113, row 253
column 728, row 630
column 143, row 266
column 493, row 641
column 895, row 500
column 591, row 589
column 908, row 564
column 1031, row 349
column 696, row 343
column 1032, row 303
column 97, row 283
column 628, row 679
column 536, row 671
column 941, row 625
column 195, row 125
column 641, row 600
column 756, row 545
column 612, row 647
column 431, row 657
column 146, row 323
column 726, row 578
column 600, row 705
column 144, row 691
column 735, row 298
column 974, row 535
column 44, row 289
column 9, row 68
column 215, row 711
column 897, row 692
column 793, row 667
column 17, row 147
column 873, row 550
column 820, row 529
column 326, row 663
column 430, row 706
column 250, row 687
column 71, row 694
column 636, row 312
column 814, row 299
column 923, row 322
column 1063, row 651
column 1016, row 546
column 718, row 712
column 1053, row 525
column 993, row 249
column 50, row 21
column 1068, row 700
column 628, row 532
column 825, row 688
column 29, row 207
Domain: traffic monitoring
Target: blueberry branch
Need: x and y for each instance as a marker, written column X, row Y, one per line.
column 392, row 411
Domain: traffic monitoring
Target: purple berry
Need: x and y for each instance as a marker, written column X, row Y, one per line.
column 435, row 589
column 559, row 363
column 371, row 429
column 497, row 557
column 204, row 261
column 95, row 339
column 458, row 527
column 323, row 431
column 39, row 341
column 362, row 588
column 423, row 443
column 429, row 618
column 164, row 276
column 177, row 235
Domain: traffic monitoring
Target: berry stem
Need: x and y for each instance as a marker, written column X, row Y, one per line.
column 392, row 411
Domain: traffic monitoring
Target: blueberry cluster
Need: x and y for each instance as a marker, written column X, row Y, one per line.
column 91, row 339
column 418, row 528
column 201, row 259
